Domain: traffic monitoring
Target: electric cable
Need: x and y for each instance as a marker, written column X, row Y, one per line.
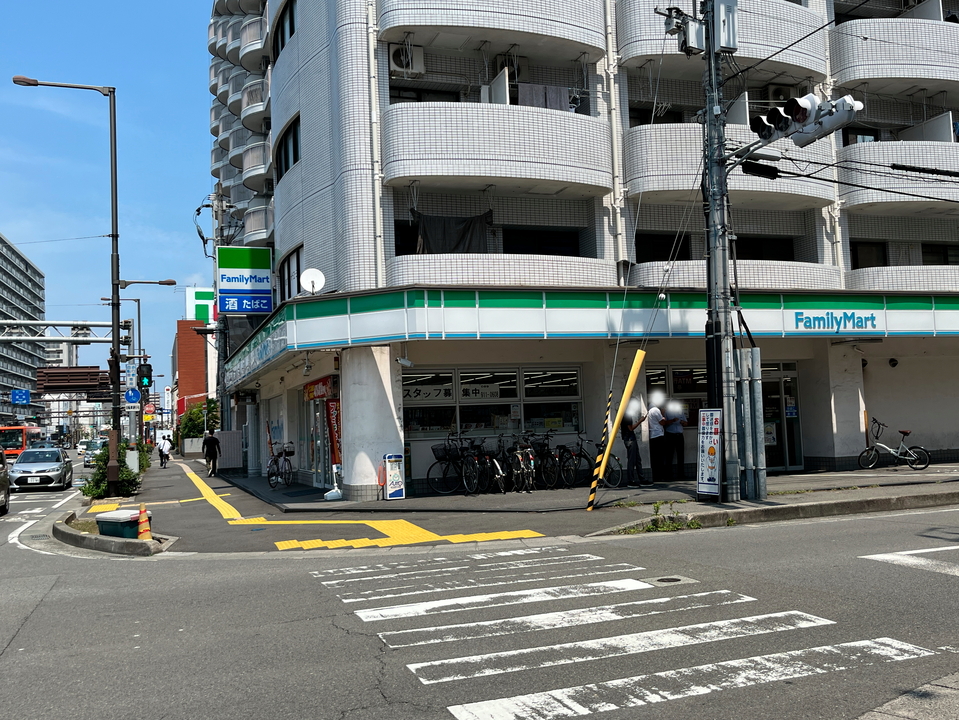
column 38, row 242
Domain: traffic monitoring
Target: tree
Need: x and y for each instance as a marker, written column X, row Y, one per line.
column 192, row 425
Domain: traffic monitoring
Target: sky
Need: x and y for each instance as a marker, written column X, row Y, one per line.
column 54, row 156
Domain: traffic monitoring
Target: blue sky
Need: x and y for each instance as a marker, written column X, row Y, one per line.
column 54, row 155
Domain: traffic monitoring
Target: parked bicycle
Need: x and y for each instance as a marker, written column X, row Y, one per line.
column 522, row 461
column 279, row 467
column 576, row 463
column 916, row 457
column 457, row 465
column 547, row 464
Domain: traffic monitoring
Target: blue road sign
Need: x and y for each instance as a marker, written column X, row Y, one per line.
column 20, row 397
column 132, row 395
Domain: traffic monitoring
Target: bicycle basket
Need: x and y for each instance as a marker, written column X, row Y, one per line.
column 445, row 452
column 288, row 452
column 540, row 447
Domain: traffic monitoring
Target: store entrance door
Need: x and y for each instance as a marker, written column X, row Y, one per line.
column 781, row 423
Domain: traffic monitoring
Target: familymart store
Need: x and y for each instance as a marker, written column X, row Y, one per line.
column 498, row 362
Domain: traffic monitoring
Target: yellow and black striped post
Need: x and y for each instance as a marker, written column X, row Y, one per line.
column 607, row 444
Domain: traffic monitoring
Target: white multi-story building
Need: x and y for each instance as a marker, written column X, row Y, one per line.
column 501, row 231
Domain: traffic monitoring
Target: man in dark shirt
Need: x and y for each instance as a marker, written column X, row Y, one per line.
column 211, row 452
column 627, row 429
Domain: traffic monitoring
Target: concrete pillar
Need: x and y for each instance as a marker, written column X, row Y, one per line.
column 371, row 403
column 831, row 407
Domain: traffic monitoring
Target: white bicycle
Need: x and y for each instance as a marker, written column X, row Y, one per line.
column 916, row 457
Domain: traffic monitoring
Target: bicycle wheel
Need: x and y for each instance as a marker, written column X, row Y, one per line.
column 442, row 478
column 549, row 470
column 517, row 471
column 568, row 470
column 868, row 458
column 485, row 473
column 286, row 472
column 499, row 476
column 919, row 460
column 273, row 473
column 529, row 471
column 470, row 474
column 614, row 472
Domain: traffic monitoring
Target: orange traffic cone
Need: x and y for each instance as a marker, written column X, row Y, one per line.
column 143, row 524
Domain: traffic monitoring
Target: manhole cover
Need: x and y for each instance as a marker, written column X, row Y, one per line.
column 668, row 580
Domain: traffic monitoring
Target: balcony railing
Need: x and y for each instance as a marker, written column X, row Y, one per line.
column 495, row 269
column 257, row 225
column 256, row 159
column 239, row 138
column 238, row 79
column 753, row 275
column 233, row 39
column 240, row 197
column 253, row 104
column 908, row 278
column 252, row 39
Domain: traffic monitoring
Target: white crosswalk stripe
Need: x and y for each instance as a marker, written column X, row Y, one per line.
column 914, row 559
column 531, row 591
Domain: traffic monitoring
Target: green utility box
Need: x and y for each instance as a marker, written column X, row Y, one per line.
column 120, row 523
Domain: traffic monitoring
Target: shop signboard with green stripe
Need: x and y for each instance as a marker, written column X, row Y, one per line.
column 244, row 280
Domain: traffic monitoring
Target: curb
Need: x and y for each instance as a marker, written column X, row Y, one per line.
column 800, row 511
column 102, row 543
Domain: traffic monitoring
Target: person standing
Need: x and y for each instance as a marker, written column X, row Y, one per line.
column 632, row 419
column 675, row 444
column 211, row 452
column 657, row 439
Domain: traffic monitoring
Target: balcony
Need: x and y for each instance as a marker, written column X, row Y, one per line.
column 663, row 162
column 228, row 122
column 222, row 30
column 753, row 275
column 533, row 152
column 217, row 160
column 557, row 29
column 937, row 195
column 256, row 161
column 238, row 79
column 239, row 138
column 765, row 26
column 491, row 269
column 223, row 82
column 253, row 43
column 901, row 55
column 215, row 65
column 240, row 197
column 258, row 224
column 254, row 106
column 908, row 278
column 216, row 111
column 233, row 39
column 249, row 7
column 229, row 176
column 211, row 35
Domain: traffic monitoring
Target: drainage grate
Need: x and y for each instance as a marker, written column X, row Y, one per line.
column 38, row 537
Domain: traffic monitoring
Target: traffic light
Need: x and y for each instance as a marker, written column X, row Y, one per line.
column 144, row 376
column 805, row 119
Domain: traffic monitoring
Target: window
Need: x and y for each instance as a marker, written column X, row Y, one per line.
column 867, row 254
column 288, row 275
column 410, row 95
column 644, row 116
column 288, row 149
column 285, row 27
column 550, row 383
column 655, row 247
column 940, row 254
column 750, row 247
column 853, row 135
column 540, row 241
column 405, row 237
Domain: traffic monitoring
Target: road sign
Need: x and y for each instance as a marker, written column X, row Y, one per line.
column 149, row 418
column 20, row 397
column 149, row 408
column 133, row 407
column 132, row 396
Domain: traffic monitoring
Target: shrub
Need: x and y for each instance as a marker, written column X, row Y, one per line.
column 96, row 486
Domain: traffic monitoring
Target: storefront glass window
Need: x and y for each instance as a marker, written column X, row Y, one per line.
column 550, row 383
column 488, row 419
column 428, row 387
column 656, row 381
column 488, row 385
column 423, row 421
column 558, row 416
column 689, row 380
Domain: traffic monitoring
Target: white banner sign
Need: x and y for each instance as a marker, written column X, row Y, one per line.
column 710, row 452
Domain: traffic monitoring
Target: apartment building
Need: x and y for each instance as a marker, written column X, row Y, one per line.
column 496, row 194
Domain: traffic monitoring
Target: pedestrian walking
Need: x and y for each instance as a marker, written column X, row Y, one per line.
column 211, row 452
column 164, row 447
column 657, row 431
column 675, row 444
column 632, row 419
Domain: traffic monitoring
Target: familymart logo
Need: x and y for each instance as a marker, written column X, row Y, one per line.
column 836, row 322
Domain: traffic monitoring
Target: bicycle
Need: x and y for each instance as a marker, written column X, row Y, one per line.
column 523, row 464
column 454, row 466
column 916, row 457
column 575, row 465
column 547, row 467
column 280, row 467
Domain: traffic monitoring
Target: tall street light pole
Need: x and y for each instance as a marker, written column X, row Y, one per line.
column 113, row 465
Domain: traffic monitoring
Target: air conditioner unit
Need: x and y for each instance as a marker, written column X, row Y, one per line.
column 518, row 67
column 779, row 93
column 406, row 61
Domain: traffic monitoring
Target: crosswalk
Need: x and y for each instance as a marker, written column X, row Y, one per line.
column 493, row 613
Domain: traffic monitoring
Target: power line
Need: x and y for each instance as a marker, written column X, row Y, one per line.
column 37, row 242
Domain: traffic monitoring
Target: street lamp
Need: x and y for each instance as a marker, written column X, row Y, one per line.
column 113, row 466
column 124, row 284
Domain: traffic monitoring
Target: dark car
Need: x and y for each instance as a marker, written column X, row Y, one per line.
column 90, row 454
column 42, row 467
column 4, row 483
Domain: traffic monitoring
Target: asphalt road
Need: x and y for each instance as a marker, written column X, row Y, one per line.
column 791, row 620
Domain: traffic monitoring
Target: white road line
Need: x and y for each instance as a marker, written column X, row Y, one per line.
column 492, row 581
column 457, row 569
column 921, row 563
column 514, row 597
column 14, row 538
column 64, row 501
column 406, row 564
column 632, row 692
column 927, row 550
column 563, row 619
column 473, row 666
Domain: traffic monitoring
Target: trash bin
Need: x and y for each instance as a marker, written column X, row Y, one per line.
column 120, row 523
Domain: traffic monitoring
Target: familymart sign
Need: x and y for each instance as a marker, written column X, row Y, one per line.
column 838, row 322
column 244, row 280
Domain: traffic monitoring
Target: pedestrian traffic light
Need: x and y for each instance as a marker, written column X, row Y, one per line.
column 805, row 119
column 144, row 376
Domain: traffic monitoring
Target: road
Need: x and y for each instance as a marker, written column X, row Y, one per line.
column 811, row 619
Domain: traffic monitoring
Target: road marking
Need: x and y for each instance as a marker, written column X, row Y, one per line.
column 512, row 597
column 473, row 666
column 105, row 507
column 457, row 569
column 30, row 510
column 562, row 619
column 64, row 501
column 921, row 563
column 14, row 538
column 408, row 564
column 227, row 511
column 927, row 550
column 632, row 692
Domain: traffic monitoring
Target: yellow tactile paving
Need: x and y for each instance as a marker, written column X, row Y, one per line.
column 109, row 507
